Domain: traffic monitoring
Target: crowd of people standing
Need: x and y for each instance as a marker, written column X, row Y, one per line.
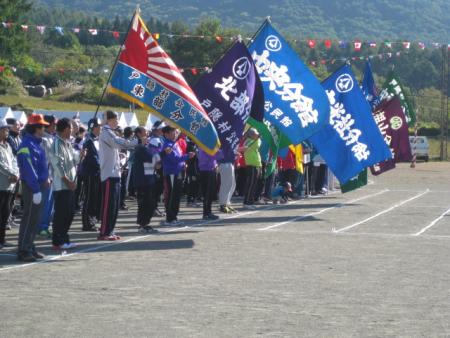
column 51, row 168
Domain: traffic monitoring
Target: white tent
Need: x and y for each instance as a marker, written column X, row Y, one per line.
column 6, row 113
column 131, row 119
column 122, row 121
column 84, row 116
column 20, row 116
column 151, row 119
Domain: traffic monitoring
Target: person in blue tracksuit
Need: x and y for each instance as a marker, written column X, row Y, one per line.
column 33, row 167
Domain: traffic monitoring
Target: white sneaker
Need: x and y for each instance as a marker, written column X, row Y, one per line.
column 67, row 246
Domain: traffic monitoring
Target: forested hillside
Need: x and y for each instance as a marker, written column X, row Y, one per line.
column 403, row 19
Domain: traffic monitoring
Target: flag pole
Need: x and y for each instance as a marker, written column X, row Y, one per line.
column 137, row 11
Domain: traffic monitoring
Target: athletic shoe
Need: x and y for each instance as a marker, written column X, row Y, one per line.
column 146, row 229
column 158, row 213
column 26, row 257
column 108, row 238
column 7, row 245
column 225, row 209
column 259, row 202
column 249, row 207
column 38, row 255
column 174, row 223
column 210, row 217
column 67, row 246
column 229, row 207
column 45, row 233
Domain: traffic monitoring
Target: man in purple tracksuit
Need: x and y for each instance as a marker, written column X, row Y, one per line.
column 173, row 164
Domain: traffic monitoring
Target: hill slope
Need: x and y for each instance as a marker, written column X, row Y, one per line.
column 376, row 19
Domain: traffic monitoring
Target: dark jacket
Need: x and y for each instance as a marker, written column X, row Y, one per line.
column 91, row 162
column 144, row 166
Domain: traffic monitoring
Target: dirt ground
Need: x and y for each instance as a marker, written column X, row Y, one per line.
column 373, row 262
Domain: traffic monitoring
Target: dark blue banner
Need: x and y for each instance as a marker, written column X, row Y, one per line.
column 228, row 93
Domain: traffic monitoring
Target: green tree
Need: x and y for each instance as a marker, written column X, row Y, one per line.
column 13, row 41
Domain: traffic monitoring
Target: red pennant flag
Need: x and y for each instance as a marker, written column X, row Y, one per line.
column 219, row 39
column 327, row 44
column 93, row 31
column 76, row 30
column 312, row 43
column 357, row 45
column 421, row 45
column 116, row 35
column 40, row 29
column 406, row 44
column 194, row 71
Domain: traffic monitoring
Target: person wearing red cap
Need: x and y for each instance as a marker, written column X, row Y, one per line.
column 33, row 167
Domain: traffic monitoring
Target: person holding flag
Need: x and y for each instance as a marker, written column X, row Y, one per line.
column 145, row 75
column 231, row 93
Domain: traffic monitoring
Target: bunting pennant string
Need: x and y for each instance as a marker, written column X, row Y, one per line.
column 196, row 70
column 311, row 43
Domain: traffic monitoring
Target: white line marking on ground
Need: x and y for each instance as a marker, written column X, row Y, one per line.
column 322, row 211
column 57, row 257
column 432, row 223
column 380, row 213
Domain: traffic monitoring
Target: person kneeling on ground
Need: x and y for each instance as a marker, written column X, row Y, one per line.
column 281, row 192
column 144, row 180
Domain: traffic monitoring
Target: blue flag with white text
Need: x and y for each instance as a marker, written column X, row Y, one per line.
column 228, row 93
column 369, row 87
column 350, row 141
column 295, row 102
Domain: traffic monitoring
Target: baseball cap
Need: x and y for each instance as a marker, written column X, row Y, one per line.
column 37, row 119
column 94, row 123
column 159, row 125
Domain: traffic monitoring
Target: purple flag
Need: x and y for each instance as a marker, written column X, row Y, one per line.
column 391, row 120
column 228, row 93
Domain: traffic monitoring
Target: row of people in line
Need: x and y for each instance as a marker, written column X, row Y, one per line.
column 51, row 169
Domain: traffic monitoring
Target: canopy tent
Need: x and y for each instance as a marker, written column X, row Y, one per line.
column 151, row 119
column 131, row 119
column 20, row 116
column 6, row 113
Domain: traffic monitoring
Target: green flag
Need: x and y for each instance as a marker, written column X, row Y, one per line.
column 356, row 182
column 271, row 135
column 393, row 87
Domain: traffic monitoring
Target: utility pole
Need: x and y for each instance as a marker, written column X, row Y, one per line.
column 444, row 102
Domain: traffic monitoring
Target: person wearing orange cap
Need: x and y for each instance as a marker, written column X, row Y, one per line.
column 33, row 167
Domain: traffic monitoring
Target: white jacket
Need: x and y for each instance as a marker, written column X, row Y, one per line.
column 110, row 144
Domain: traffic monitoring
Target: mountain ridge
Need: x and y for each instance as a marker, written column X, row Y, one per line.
column 379, row 19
